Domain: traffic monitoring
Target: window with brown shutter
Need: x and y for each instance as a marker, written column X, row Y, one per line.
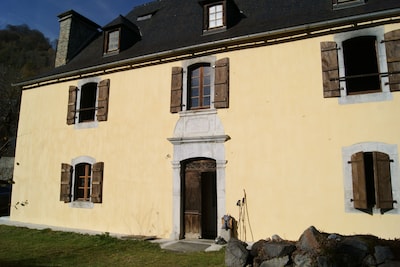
column 392, row 45
column 89, row 103
column 82, row 182
column 66, row 180
column 176, row 89
column 330, row 69
column 221, row 84
column 372, row 187
column 71, row 113
column 97, row 182
column 102, row 101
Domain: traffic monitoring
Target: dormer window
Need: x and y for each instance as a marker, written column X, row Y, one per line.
column 339, row 4
column 112, row 41
column 215, row 16
column 119, row 35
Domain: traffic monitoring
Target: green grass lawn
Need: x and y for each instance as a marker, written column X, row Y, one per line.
column 26, row 247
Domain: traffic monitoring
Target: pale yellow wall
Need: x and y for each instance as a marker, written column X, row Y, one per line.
column 132, row 143
column 285, row 148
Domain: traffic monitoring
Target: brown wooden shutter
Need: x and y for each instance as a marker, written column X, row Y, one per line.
column 383, row 183
column 176, row 89
column 330, row 69
column 97, row 182
column 66, row 180
column 359, row 182
column 71, row 105
column 221, row 85
column 102, row 102
column 392, row 44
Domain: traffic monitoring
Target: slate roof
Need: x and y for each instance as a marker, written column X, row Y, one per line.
column 175, row 25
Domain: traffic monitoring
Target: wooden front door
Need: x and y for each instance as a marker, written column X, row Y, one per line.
column 200, row 198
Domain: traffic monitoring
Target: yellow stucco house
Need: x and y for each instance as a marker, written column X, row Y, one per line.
column 158, row 123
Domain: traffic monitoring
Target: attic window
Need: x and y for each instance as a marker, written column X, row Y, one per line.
column 339, row 4
column 215, row 16
column 112, row 41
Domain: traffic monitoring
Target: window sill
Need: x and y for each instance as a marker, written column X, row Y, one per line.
column 214, row 30
column 86, row 125
column 82, row 205
column 364, row 98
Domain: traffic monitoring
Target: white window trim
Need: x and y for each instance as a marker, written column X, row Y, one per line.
column 76, row 203
column 385, row 94
column 388, row 149
column 185, row 65
column 94, row 123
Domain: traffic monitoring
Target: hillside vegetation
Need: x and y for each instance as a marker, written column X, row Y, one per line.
column 24, row 53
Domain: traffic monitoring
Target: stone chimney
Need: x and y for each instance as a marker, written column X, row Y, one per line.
column 76, row 31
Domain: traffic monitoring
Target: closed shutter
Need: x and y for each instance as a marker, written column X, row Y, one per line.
column 176, row 89
column 71, row 113
column 66, row 180
column 330, row 69
column 97, row 182
column 392, row 44
column 359, row 182
column 102, row 102
column 221, row 85
column 382, row 179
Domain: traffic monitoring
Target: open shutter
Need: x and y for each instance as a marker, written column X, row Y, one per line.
column 330, row 69
column 382, row 179
column 359, row 182
column 221, row 85
column 102, row 102
column 66, row 180
column 97, row 182
column 176, row 89
column 71, row 105
column 392, row 44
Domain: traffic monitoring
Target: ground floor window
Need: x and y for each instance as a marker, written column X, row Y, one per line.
column 371, row 177
column 82, row 181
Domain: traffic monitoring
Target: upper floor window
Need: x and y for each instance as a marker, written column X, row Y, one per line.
column 200, row 85
column 199, row 79
column 112, row 41
column 337, row 4
column 215, row 16
column 82, row 182
column 361, row 66
column 89, row 103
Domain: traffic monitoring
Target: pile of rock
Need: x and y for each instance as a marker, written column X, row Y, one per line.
column 315, row 248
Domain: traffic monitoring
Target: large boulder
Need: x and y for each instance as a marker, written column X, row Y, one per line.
column 236, row 254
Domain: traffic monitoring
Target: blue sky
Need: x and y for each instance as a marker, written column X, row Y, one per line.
column 42, row 14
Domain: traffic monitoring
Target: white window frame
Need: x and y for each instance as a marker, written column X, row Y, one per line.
column 392, row 152
column 213, row 15
column 91, row 124
column 347, row 3
column 186, row 65
column 76, row 203
column 385, row 94
column 113, row 41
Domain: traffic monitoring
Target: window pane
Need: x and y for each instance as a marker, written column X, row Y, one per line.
column 206, row 80
column 113, row 41
column 194, row 102
column 206, row 91
column 195, row 92
column 206, row 101
column 195, row 82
